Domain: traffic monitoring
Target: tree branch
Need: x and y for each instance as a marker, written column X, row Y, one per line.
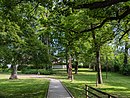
column 99, row 4
column 34, row 8
column 18, row 2
column 127, row 12
column 124, row 34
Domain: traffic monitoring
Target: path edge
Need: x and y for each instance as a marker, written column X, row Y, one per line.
column 48, row 90
column 67, row 89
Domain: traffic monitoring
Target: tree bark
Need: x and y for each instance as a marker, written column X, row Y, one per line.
column 66, row 54
column 76, row 67
column 126, row 59
column 125, row 54
column 14, row 72
column 70, row 69
column 98, row 65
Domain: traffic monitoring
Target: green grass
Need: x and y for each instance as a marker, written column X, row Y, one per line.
column 23, row 87
column 115, row 84
column 26, row 87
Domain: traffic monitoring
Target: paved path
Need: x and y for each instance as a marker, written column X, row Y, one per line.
column 56, row 90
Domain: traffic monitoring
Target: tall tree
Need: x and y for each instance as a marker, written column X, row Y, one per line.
column 18, row 30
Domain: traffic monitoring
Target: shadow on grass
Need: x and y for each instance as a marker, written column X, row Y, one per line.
column 115, row 84
column 23, row 88
column 77, row 89
column 86, row 70
column 114, row 89
column 85, row 77
column 118, row 92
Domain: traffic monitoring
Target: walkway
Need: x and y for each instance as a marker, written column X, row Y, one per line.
column 56, row 90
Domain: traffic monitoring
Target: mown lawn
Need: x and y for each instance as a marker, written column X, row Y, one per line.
column 23, row 87
column 115, row 83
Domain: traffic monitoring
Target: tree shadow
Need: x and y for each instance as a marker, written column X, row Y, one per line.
column 122, row 93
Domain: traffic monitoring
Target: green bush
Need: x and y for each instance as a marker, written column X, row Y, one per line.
column 125, row 70
column 29, row 71
column 37, row 71
column 5, row 70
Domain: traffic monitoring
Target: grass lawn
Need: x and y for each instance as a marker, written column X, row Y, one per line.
column 115, row 84
column 24, row 87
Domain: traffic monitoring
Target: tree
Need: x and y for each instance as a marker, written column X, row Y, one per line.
column 123, row 43
column 19, row 29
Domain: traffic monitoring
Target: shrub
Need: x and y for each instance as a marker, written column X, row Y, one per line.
column 37, row 71
column 29, row 71
column 125, row 70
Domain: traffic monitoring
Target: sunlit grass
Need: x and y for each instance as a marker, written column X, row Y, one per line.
column 115, row 83
column 23, row 87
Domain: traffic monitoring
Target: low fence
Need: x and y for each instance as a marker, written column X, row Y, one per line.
column 95, row 93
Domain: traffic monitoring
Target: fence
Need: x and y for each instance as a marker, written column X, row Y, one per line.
column 95, row 93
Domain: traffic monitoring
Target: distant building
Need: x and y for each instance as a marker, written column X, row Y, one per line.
column 59, row 66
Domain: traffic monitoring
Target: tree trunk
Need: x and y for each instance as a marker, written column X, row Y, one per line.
column 125, row 72
column 14, row 72
column 76, row 67
column 70, row 69
column 98, row 65
column 67, row 65
column 125, row 54
column 106, row 66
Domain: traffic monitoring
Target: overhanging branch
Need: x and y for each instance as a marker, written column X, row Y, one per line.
column 99, row 4
column 124, row 34
column 127, row 12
